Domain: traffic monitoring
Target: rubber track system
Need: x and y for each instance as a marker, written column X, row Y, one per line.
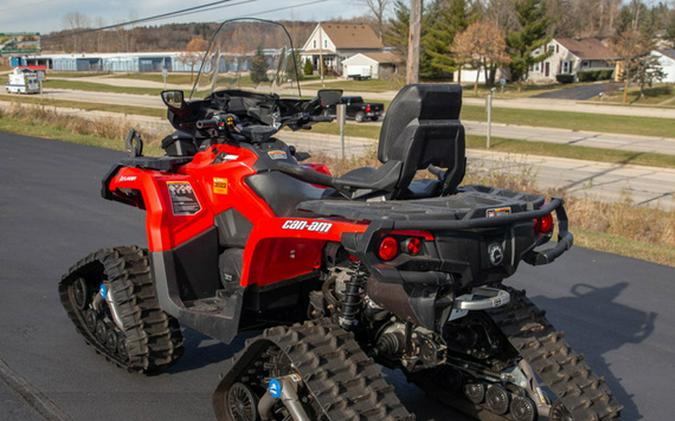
column 586, row 396
column 344, row 384
column 153, row 338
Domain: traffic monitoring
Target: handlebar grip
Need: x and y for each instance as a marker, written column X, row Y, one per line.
column 206, row 124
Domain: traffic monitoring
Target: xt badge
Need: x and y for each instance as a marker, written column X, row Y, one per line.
column 496, row 254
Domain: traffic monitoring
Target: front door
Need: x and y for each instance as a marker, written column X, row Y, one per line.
column 547, row 69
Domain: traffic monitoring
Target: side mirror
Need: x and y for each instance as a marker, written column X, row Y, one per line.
column 329, row 97
column 174, row 99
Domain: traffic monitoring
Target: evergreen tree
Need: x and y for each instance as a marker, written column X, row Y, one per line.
column 531, row 35
column 294, row 71
column 259, row 67
column 447, row 18
column 308, row 69
column 397, row 34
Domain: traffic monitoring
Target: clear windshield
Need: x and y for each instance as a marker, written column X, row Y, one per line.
column 249, row 54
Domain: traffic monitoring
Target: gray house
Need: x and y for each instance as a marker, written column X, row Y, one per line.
column 572, row 56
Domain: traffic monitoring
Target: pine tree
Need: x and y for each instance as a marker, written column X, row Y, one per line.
column 294, row 71
column 447, row 19
column 397, row 34
column 532, row 35
column 259, row 67
column 308, row 69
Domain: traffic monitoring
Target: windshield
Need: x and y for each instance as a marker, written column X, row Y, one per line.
column 250, row 54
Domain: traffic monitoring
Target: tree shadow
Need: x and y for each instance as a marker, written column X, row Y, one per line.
column 610, row 326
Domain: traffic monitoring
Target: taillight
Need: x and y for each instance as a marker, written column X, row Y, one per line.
column 368, row 108
column 544, row 224
column 388, row 249
column 413, row 246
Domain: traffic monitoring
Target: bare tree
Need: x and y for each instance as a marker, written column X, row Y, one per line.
column 378, row 10
column 636, row 62
column 76, row 21
column 193, row 54
column 482, row 46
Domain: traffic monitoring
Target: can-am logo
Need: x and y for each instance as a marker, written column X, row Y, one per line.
column 495, row 253
column 300, row 225
column 127, row 178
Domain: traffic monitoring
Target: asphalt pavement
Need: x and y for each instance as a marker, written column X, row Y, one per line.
column 616, row 310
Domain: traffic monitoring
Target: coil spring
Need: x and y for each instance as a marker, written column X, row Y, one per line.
column 353, row 296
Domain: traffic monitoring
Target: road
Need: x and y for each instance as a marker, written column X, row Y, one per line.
column 616, row 310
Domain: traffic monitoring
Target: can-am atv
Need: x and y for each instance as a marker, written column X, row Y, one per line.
column 374, row 266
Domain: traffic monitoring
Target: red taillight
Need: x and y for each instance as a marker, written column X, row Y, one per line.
column 544, row 224
column 368, row 108
column 413, row 246
column 388, row 249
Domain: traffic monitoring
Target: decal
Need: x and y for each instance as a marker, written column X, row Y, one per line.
column 277, row 154
column 220, row 185
column 495, row 253
column 491, row 213
column 127, row 178
column 274, row 387
column 183, row 198
column 300, row 225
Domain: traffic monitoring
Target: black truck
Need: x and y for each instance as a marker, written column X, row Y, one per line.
column 359, row 110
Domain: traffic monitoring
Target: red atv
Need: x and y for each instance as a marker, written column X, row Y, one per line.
column 341, row 272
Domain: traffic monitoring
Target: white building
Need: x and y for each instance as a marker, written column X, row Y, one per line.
column 337, row 42
column 379, row 65
column 666, row 58
column 571, row 56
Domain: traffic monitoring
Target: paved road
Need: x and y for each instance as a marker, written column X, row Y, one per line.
column 580, row 92
column 618, row 311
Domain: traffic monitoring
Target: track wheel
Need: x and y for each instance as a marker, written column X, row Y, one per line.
column 110, row 297
column 242, row 403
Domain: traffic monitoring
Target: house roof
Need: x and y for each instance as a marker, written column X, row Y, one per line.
column 385, row 57
column 588, row 48
column 352, row 36
column 668, row 52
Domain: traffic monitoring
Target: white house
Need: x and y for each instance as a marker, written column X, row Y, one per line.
column 337, row 42
column 378, row 65
column 666, row 59
column 572, row 56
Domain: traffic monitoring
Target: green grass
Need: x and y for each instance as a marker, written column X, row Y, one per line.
column 660, row 95
column 371, row 85
column 175, row 78
column 529, row 147
column 98, row 87
column 51, row 73
column 624, row 246
column 87, row 106
column 606, row 123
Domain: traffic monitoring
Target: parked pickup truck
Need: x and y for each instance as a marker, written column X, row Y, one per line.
column 359, row 110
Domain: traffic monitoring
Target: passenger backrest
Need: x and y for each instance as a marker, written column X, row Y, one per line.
column 422, row 128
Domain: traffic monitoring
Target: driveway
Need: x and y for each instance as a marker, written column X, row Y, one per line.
column 582, row 92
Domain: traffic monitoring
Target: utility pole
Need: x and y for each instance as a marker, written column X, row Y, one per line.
column 323, row 84
column 413, row 68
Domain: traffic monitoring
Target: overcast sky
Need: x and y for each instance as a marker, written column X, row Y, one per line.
column 47, row 15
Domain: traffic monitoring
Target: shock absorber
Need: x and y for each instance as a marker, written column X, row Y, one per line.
column 353, row 296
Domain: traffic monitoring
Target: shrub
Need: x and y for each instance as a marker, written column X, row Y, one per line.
column 308, row 69
column 565, row 78
column 594, row 75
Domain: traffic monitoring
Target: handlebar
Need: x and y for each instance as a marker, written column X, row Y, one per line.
column 210, row 123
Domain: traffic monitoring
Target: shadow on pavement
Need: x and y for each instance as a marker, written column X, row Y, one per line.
column 628, row 326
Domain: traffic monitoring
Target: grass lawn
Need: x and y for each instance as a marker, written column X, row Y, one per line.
column 98, row 87
column 528, row 147
column 646, row 126
column 176, row 78
column 53, row 73
column 659, row 95
column 88, row 106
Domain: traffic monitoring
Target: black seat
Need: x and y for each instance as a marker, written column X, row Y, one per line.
column 421, row 128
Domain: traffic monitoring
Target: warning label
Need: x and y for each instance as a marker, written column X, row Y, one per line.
column 183, row 198
column 220, row 185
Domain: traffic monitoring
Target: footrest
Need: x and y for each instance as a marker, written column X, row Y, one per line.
column 483, row 298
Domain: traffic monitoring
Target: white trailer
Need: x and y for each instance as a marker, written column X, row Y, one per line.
column 23, row 81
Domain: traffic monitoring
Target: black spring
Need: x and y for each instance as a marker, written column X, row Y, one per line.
column 353, row 296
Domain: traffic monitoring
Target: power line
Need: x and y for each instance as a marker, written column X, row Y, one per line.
column 263, row 12
column 151, row 18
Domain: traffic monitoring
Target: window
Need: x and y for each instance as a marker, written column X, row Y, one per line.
column 325, row 43
column 314, row 44
column 536, row 67
column 551, row 48
column 557, row 48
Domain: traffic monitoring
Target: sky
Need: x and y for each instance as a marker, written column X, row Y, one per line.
column 45, row 16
